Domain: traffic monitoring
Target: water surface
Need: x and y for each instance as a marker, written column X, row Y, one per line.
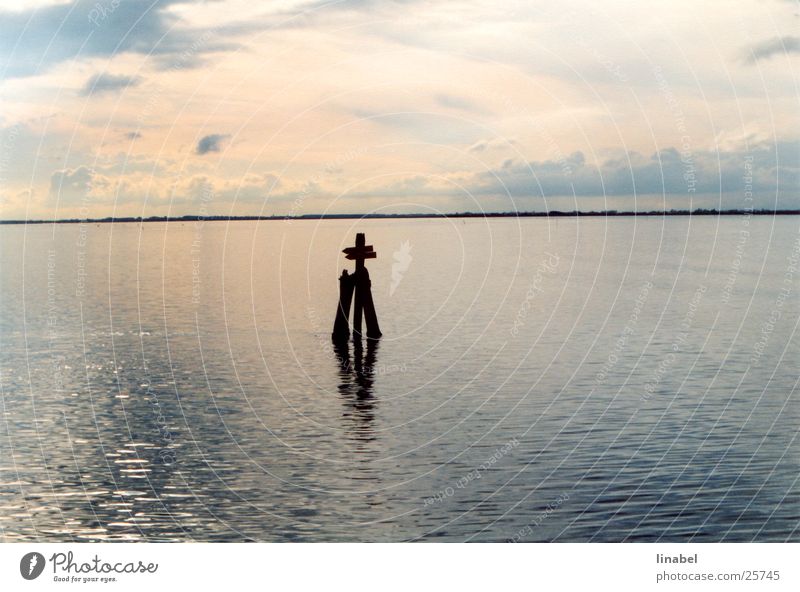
column 539, row 380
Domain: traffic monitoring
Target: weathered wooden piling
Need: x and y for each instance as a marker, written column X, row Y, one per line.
column 364, row 287
column 341, row 326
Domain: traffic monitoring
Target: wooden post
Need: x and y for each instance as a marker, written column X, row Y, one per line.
column 341, row 326
column 358, row 307
column 370, row 317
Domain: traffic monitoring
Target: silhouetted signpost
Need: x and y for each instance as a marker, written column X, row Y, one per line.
column 357, row 284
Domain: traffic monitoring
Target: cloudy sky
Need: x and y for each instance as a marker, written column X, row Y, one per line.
column 155, row 107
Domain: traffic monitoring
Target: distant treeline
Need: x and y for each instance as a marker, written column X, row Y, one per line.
column 552, row 213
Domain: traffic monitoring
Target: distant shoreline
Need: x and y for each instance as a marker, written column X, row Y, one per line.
column 550, row 214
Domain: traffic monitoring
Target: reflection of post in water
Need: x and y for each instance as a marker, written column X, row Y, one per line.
column 365, row 367
column 356, row 381
column 342, row 350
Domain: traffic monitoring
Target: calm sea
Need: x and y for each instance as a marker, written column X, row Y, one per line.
column 538, row 380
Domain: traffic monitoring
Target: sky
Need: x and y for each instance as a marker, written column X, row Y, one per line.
column 230, row 107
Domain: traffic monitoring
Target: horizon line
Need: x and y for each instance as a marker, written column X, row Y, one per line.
column 417, row 215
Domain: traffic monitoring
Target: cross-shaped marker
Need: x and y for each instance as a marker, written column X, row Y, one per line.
column 360, row 251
